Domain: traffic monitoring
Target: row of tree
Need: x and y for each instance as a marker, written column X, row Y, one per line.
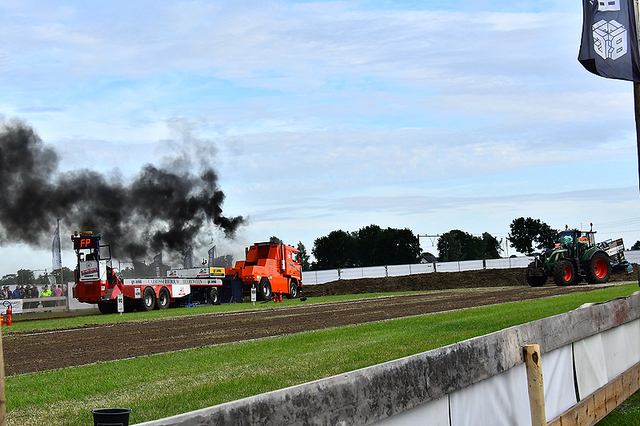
column 369, row 246
column 27, row 276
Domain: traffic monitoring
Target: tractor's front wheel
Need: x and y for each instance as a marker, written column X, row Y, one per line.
column 564, row 273
column 535, row 280
column 599, row 269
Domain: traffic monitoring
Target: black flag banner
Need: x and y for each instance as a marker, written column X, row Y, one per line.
column 609, row 46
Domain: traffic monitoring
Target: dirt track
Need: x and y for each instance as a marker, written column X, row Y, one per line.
column 49, row 350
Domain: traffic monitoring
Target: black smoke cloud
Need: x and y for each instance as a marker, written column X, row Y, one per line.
column 161, row 209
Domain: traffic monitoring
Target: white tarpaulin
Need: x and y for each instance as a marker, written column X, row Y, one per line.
column 557, row 375
column 602, row 357
column 433, row 413
column 499, row 400
column 502, row 399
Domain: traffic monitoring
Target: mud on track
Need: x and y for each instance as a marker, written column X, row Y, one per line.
column 31, row 352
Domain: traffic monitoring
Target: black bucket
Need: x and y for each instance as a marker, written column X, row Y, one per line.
column 111, row 416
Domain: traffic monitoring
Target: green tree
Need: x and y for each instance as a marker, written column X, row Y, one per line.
column 391, row 246
column 636, row 245
column 367, row 246
column 25, row 276
column 275, row 240
column 452, row 245
column 490, row 246
column 527, row 232
column 333, row 251
column 396, row 247
column 459, row 245
column 9, row 279
column 303, row 256
column 67, row 275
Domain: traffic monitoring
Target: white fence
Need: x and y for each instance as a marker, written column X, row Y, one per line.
column 325, row 276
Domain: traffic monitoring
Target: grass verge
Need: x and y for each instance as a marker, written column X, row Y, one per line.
column 163, row 385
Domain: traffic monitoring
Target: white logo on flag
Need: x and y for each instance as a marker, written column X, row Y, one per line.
column 609, row 39
column 608, row 5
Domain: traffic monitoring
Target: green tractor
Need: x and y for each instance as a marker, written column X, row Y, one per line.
column 574, row 257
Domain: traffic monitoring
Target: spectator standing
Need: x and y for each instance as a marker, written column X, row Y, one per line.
column 58, row 293
column 27, row 295
column 46, row 292
column 16, row 292
column 21, row 292
column 32, row 293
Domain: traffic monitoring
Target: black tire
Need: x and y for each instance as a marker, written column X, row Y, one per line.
column 293, row 290
column 164, row 299
column 148, row 301
column 564, row 273
column 214, row 296
column 535, row 280
column 107, row 308
column 265, row 289
column 598, row 269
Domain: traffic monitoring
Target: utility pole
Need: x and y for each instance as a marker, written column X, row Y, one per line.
column 431, row 237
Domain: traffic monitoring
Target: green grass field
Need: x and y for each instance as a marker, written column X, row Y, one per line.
column 163, row 385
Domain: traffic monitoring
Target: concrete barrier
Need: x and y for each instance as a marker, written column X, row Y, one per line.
column 451, row 376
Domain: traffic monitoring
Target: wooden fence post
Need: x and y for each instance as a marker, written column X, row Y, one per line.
column 536, row 385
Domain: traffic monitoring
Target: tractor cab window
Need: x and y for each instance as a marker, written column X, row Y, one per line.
column 566, row 239
column 587, row 238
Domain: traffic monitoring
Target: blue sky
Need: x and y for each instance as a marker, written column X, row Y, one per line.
column 320, row 116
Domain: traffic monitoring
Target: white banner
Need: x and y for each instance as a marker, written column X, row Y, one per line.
column 16, row 306
column 55, row 250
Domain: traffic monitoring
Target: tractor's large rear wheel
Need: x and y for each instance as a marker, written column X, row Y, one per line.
column 599, row 269
column 535, row 280
column 564, row 273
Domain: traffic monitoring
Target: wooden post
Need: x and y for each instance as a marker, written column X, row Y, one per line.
column 536, row 385
column 3, row 399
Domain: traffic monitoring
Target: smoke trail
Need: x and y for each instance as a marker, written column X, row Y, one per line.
column 160, row 209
